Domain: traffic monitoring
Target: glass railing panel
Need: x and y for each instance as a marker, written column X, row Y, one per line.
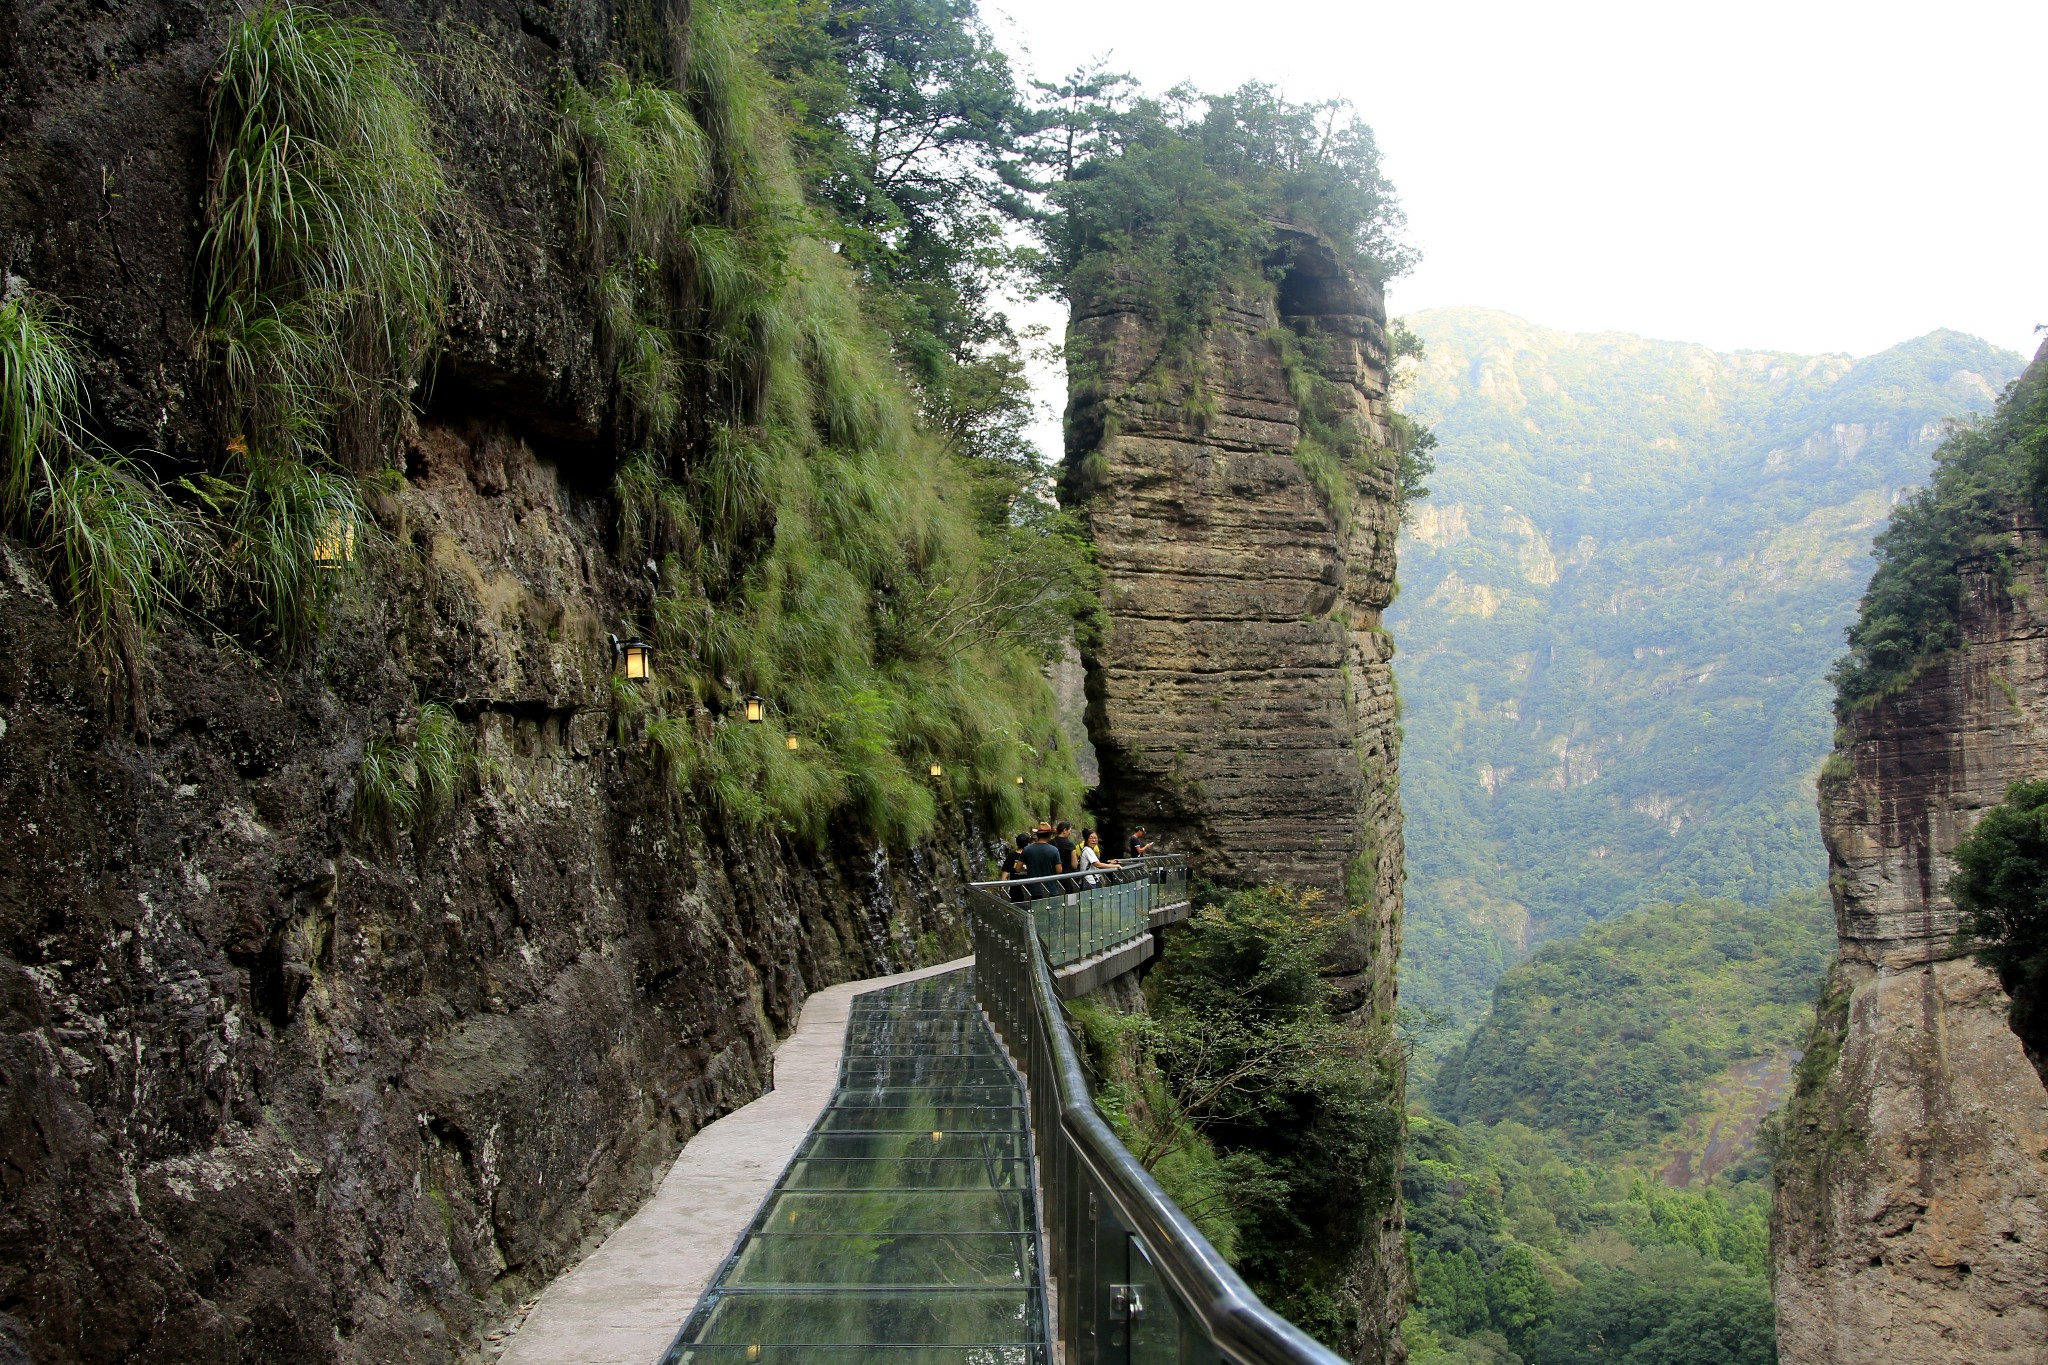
column 1153, row 1317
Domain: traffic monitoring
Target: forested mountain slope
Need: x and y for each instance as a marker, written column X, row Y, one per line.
column 1620, row 606
column 1591, row 1185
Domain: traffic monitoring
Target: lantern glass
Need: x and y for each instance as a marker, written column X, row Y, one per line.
column 1020, row 779
column 791, row 744
column 636, row 659
column 756, row 710
column 335, row 546
column 937, row 771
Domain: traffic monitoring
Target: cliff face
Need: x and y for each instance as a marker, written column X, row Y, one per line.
column 1911, row 1214
column 1240, row 701
column 273, row 1086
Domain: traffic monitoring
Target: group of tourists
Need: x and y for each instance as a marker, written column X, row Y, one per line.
column 1051, row 850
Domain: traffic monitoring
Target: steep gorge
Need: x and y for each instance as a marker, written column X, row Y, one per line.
column 1911, row 1212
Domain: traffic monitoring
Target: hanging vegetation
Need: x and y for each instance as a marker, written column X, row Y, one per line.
column 815, row 546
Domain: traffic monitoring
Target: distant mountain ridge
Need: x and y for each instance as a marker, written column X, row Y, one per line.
column 1620, row 604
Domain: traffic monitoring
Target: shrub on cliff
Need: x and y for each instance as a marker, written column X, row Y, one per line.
column 1264, row 1112
column 2001, row 886
column 1983, row 475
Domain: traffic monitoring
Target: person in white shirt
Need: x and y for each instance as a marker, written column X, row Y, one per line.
column 1089, row 857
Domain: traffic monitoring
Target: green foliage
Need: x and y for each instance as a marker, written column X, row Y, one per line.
column 815, row 545
column 414, row 785
column 1607, row 1039
column 1619, row 608
column 1523, row 1250
column 1983, row 474
column 2001, row 887
column 320, row 283
column 1673, row 1311
column 118, row 547
column 1274, row 1116
column 911, row 135
column 280, row 518
column 40, row 397
column 1176, row 200
column 119, row 550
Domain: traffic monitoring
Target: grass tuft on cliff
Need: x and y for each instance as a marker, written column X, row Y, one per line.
column 119, row 550
column 321, row 286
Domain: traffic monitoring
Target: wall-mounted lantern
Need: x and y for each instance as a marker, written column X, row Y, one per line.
column 757, row 710
column 635, row 659
column 791, row 744
column 938, row 771
column 335, row 546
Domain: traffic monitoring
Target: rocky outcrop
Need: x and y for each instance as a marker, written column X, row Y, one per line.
column 1241, row 701
column 1911, row 1212
column 275, row 1084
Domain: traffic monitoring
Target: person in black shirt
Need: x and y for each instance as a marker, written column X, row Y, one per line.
column 1137, row 846
column 1041, row 859
column 1063, row 840
column 1013, row 866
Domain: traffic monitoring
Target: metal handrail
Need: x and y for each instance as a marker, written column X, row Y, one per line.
column 1081, row 914
column 1135, row 1280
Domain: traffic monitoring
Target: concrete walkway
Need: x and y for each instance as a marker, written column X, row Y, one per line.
column 623, row 1304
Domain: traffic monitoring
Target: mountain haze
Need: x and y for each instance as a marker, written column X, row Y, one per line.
column 1620, row 605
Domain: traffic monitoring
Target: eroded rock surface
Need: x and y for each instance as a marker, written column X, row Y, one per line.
column 1241, row 701
column 275, row 1086
column 1911, row 1214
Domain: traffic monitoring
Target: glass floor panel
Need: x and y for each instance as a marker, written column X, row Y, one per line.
column 917, row 1170
column 909, row 1317
column 871, row 1354
column 1006, row 1145
column 905, row 1229
column 925, row 1117
column 971, row 1260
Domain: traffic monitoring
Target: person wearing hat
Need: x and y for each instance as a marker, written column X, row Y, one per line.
column 1041, row 859
column 1137, row 846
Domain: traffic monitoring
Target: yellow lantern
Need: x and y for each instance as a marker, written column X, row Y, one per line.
column 1020, row 779
column 757, row 709
column 636, row 659
column 937, row 771
column 335, row 546
column 791, row 744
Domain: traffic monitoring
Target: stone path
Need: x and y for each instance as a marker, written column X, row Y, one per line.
column 623, row 1304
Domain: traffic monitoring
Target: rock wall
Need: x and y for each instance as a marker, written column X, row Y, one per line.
column 1911, row 1213
column 1240, row 700
column 274, row 1086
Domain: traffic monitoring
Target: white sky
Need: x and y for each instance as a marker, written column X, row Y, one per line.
column 1797, row 176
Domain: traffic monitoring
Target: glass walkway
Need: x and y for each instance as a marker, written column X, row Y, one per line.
column 904, row 1230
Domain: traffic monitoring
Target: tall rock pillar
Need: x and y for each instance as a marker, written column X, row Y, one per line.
column 1911, row 1213
column 1240, row 486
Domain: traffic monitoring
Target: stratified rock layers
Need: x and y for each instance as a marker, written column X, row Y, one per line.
column 1241, row 699
column 1911, row 1217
